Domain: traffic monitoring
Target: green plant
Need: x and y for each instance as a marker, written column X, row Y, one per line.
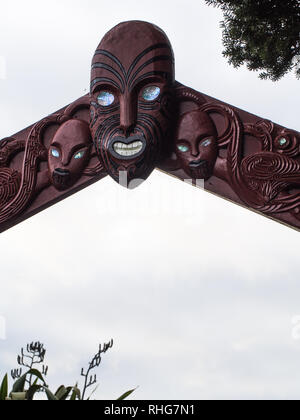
column 27, row 385
column 262, row 34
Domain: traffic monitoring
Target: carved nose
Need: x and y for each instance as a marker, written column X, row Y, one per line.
column 127, row 115
column 195, row 151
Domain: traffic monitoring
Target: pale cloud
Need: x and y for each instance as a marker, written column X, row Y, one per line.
column 2, row 68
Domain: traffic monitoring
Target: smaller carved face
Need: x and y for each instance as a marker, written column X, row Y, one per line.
column 196, row 145
column 69, row 153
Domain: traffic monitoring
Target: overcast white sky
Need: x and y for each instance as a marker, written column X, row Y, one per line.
column 198, row 294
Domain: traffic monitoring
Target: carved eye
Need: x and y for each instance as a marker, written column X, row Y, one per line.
column 55, row 153
column 183, row 148
column 79, row 155
column 206, row 142
column 105, row 98
column 151, row 93
column 282, row 142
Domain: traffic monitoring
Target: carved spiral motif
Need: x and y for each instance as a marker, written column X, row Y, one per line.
column 262, row 130
column 270, row 166
column 288, row 143
column 10, row 181
column 268, row 174
column 8, row 148
column 261, row 180
column 229, row 117
column 34, row 152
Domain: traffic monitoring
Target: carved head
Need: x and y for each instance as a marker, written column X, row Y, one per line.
column 196, row 144
column 131, row 89
column 69, row 153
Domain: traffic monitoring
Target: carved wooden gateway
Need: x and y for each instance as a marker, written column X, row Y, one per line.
column 136, row 118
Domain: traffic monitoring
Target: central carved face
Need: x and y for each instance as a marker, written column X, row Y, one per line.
column 131, row 96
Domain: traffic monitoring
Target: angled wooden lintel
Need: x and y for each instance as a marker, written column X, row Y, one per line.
column 137, row 118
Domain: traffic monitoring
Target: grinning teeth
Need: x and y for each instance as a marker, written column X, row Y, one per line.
column 131, row 149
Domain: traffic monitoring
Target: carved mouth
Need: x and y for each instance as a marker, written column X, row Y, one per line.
column 125, row 150
column 61, row 172
column 61, row 178
column 200, row 169
column 198, row 164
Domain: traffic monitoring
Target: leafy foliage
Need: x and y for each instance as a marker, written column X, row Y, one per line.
column 27, row 385
column 35, row 356
column 263, row 34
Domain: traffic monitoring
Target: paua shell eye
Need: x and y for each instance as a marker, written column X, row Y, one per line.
column 206, row 142
column 79, row 155
column 183, row 148
column 151, row 93
column 55, row 153
column 282, row 141
column 105, row 98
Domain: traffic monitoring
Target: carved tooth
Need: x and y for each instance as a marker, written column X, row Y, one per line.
column 131, row 149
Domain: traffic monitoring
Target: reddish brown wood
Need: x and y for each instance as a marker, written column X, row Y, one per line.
column 31, row 185
column 131, row 58
column 136, row 118
column 257, row 164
